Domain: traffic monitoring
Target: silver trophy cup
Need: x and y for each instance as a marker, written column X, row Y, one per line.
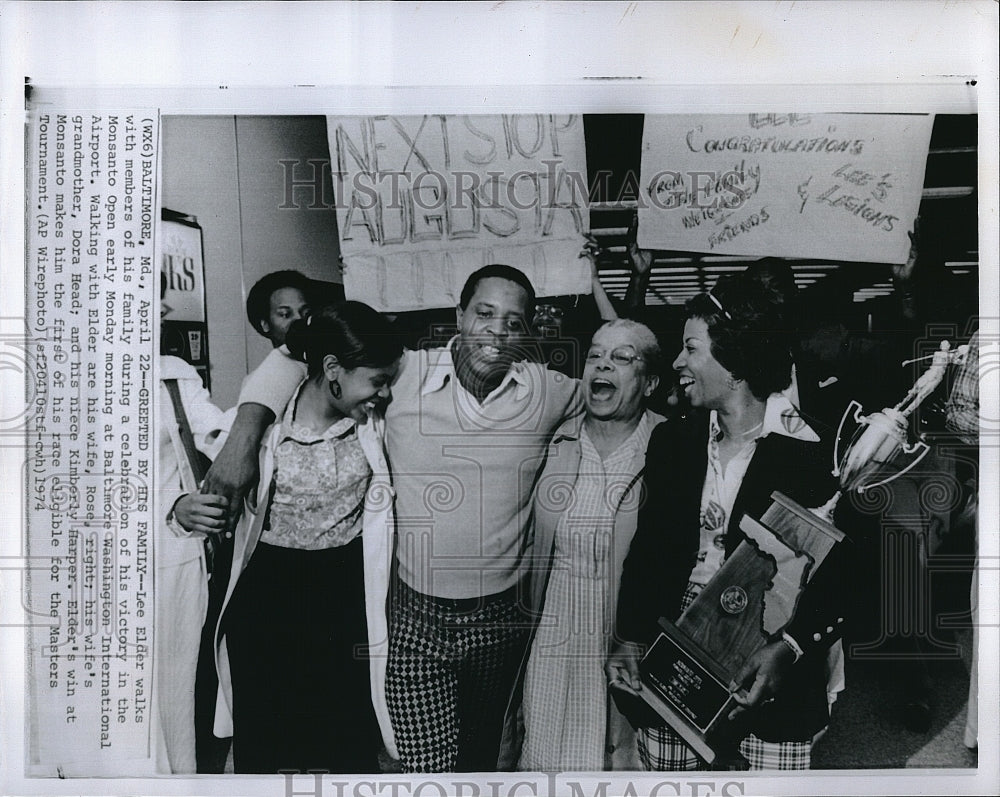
column 879, row 445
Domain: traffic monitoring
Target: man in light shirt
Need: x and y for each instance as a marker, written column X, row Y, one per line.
column 466, row 432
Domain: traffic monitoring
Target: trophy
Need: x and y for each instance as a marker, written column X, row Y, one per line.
column 870, row 458
column 687, row 671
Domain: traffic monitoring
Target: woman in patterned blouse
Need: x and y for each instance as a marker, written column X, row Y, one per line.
column 306, row 601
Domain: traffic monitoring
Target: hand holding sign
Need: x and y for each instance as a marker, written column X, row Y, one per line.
column 640, row 260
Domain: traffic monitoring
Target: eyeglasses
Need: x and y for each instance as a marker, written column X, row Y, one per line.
column 550, row 310
column 619, row 356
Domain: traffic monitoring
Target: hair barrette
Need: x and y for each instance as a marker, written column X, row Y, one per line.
column 718, row 304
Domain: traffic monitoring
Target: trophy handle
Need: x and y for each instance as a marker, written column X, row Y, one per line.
column 840, row 429
column 920, row 446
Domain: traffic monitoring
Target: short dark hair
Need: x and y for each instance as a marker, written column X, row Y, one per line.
column 353, row 332
column 259, row 298
column 499, row 271
column 748, row 334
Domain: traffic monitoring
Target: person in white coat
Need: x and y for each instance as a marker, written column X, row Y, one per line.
column 302, row 639
column 184, row 517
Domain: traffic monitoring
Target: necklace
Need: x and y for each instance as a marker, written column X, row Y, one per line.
column 741, row 435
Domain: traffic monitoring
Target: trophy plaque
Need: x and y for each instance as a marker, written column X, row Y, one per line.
column 687, row 671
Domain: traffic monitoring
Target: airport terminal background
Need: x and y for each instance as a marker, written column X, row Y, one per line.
column 230, row 174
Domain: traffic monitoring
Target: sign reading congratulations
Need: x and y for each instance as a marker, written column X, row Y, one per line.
column 839, row 186
column 423, row 201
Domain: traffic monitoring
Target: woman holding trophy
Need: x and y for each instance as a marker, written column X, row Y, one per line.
column 741, row 441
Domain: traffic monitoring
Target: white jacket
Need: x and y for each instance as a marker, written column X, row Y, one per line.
column 209, row 426
column 377, row 531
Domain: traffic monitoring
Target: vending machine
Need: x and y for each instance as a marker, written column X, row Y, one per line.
column 184, row 321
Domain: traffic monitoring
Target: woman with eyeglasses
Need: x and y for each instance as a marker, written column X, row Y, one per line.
column 741, row 440
column 584, row 517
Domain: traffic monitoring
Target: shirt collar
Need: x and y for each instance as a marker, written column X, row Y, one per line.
column 290, row 429
column 572, row 429
column 639, row 438
column 441, row 368
column 640, row 435
column 175, row 368
column 780, row 417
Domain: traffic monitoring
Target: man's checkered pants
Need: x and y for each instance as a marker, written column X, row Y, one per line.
column 451, row 670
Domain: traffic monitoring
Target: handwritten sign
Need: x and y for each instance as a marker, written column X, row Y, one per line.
column 840, row 186
column 423, row 201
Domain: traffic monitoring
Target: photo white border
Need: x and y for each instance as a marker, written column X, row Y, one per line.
column 283, row 59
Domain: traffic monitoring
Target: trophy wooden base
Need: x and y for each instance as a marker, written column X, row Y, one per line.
column 687, row 671
column 684, row 686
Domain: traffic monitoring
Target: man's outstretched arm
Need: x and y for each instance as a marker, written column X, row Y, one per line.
column 234, row 472
column 265, row 393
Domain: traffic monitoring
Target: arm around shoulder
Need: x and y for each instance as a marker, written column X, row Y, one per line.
column 272, row 383
column 265, row 393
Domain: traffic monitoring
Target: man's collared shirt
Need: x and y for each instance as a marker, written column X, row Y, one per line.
column 464, row 471
column 963, row 402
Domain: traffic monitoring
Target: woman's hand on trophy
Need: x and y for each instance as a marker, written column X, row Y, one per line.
column 761, row 676
column 622, row 667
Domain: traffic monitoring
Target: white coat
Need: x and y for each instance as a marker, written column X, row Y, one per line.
column 377, row 533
